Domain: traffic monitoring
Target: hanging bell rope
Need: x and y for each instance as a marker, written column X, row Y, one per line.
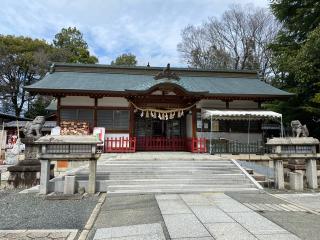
column 162, row 114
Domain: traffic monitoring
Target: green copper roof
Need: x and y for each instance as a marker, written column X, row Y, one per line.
column 69, row 80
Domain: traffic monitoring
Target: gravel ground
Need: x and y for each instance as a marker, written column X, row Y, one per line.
column 30, row 211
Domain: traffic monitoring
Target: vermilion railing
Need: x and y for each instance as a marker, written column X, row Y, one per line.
column 120, row 145
column 197, row 145
column 161, row 144
column 123, row 145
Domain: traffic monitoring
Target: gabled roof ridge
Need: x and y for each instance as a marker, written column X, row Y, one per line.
column 184, row 69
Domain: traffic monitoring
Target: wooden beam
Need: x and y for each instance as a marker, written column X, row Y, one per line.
column 95, row 115
column 132, row 122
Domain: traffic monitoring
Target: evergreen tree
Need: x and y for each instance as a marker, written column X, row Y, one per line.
column 296, row 60
column 126, row 59
column 71, row 41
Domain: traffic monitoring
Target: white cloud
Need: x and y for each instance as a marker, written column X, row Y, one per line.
column 150, row 29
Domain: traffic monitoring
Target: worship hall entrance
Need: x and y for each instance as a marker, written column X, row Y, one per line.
column 153, row 134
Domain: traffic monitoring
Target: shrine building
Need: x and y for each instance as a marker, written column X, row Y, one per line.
column 155, row 108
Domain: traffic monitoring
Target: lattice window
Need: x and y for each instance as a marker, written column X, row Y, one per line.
column 113, row 119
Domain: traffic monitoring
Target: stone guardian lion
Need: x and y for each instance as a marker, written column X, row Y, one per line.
column 33, row 129
column 299, row 130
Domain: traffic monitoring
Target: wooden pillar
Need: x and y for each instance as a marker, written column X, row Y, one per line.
column 58, row 110
column 194, row 121
column 95, row 115
column 259, row 104
column 132, row 122
column 227, row 104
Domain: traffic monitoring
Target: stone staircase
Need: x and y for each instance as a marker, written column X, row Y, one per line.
column 168, row 176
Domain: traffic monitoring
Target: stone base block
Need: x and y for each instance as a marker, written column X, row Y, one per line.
column 26, row 174
column 69, row 185
column 23, row 179
column 296, row 181
column 311, row 173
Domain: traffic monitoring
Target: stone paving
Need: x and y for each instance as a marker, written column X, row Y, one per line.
column 61, row 234
column 302, row 223
column 139, row 232
column 118, row 212
column 215, row 216
column 307, row 200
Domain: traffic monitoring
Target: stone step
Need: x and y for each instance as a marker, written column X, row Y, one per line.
column 119, row 182
column 169, row 159
column 175, row 169
column 259, row 177
column 167, row 176
column 165, row 162
column 172, row 186
column 185, row 190
column 206, row 168
column 163, row 176
column 166, row 167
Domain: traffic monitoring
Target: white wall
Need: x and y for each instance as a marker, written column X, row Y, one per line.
column 243, row 104
column 77, row 101
column 113, row 102
column 240, row 137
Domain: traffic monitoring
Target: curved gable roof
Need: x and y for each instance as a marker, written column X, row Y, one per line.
column 141, row 81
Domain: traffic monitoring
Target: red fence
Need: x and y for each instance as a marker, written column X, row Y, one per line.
column 195, row 145
column 120, row 145
column 161, row 144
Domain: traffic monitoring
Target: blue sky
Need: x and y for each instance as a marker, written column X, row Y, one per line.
column 150, row 29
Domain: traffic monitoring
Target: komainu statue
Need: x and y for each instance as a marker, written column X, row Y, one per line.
column 33, row 129
column 299, row 130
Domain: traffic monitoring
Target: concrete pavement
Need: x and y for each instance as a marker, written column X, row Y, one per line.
column 290, row 215
column 308, row 200
column 184, row 216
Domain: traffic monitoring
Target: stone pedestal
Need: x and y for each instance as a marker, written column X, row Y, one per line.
column 311, row 173
column 26, row 173
column 278, row 174
column 296, row 181
column 92, row 176
column 69, row 185
column 45, row 176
